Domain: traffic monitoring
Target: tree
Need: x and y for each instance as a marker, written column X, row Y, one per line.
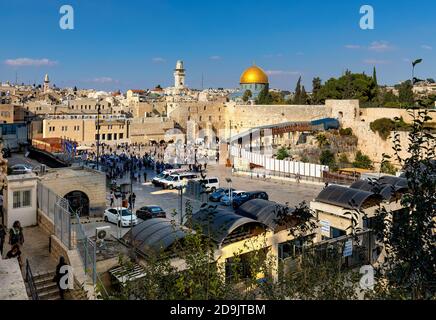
column 247, row 95
column 405, row 94
column 362, row 161
column 277, row 98
column 304, row 97
column 327, row 158
column 350, row 86
column 316, row 87
column 264, row 97
column 297, row 95
column 282, row 154
column 75, row 89
column 408, row 237
column 374, row 76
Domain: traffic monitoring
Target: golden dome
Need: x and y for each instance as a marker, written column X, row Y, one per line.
column 254, row 74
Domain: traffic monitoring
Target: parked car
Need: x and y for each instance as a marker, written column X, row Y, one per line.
column 219, row 193
column 150, row 212
column 247, row 196
column 211, row 184
column 123, row 217
column 157, row 181
column 227, row 200
column 21, row 169
column 177, row 180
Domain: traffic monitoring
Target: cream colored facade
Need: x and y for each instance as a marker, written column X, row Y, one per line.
column 84, row 130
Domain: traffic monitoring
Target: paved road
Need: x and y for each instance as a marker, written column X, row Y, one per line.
column 169, row 200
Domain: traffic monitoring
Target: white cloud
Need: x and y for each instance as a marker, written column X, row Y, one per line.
column 104, row 80
column 215, row 58
column 376, row 61
column 282, row 73
column 28, row 62
column 426, row 47
column 352, row 46
column 159, row 60
column 380, row 46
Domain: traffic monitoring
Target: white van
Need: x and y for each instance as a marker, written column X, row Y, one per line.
column 211, row 184
column 157, row 181
column 177, row 180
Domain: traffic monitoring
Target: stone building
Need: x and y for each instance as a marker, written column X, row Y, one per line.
column 85, row 189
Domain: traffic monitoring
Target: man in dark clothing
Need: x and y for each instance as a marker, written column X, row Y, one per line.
column 132, row 199
column 145, row 177
column 58, row 277
column 2, row 238
column 16, row 234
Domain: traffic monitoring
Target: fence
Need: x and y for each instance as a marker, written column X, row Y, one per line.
column 58, row 210
column 282, row 166
column 86, row 248
column 68, row 229
column 31, row 282
column 351, row 251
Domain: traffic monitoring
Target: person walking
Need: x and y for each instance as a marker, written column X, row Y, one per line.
column 59, row 276
column 16, row 236
column 145, row 177
column 112, row 198
column 133, row 200
column 3, row 233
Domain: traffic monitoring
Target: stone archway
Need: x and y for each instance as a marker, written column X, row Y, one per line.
column 79, row 202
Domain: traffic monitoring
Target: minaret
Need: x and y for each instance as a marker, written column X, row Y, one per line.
column 46, row 84
column 179, row 75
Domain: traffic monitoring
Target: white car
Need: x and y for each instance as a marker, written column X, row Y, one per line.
column 21, row 169
column 178, row 180
column 123, row 217
column 227, row 201
column 211, row 184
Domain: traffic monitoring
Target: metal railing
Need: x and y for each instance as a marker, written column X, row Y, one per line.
column 364, row 248
column 86, row 248
column 263, row 174
column 31, row 282
column 58, row 210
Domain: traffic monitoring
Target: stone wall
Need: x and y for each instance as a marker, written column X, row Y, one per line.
column 90, row 182
column 45, row 223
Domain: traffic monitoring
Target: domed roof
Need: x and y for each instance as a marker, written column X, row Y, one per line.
column 254, row 74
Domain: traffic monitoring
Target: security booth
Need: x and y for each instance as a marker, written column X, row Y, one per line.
column 20, row 200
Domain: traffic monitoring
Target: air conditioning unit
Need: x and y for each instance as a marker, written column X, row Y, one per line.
column 103, row 233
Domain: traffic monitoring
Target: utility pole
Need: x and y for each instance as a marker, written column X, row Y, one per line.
column 98, row 133
column 181, row 205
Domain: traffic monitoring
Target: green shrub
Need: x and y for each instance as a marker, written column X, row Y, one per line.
column 327, row 158
column 385, row 126
column 388, row 168
column 282, row 154
column 346, row 132
column 362, row 161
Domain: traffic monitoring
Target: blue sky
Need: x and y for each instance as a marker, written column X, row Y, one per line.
column 135, row 44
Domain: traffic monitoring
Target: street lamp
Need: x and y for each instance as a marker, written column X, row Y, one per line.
column 98, row 133
column 180, row 189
